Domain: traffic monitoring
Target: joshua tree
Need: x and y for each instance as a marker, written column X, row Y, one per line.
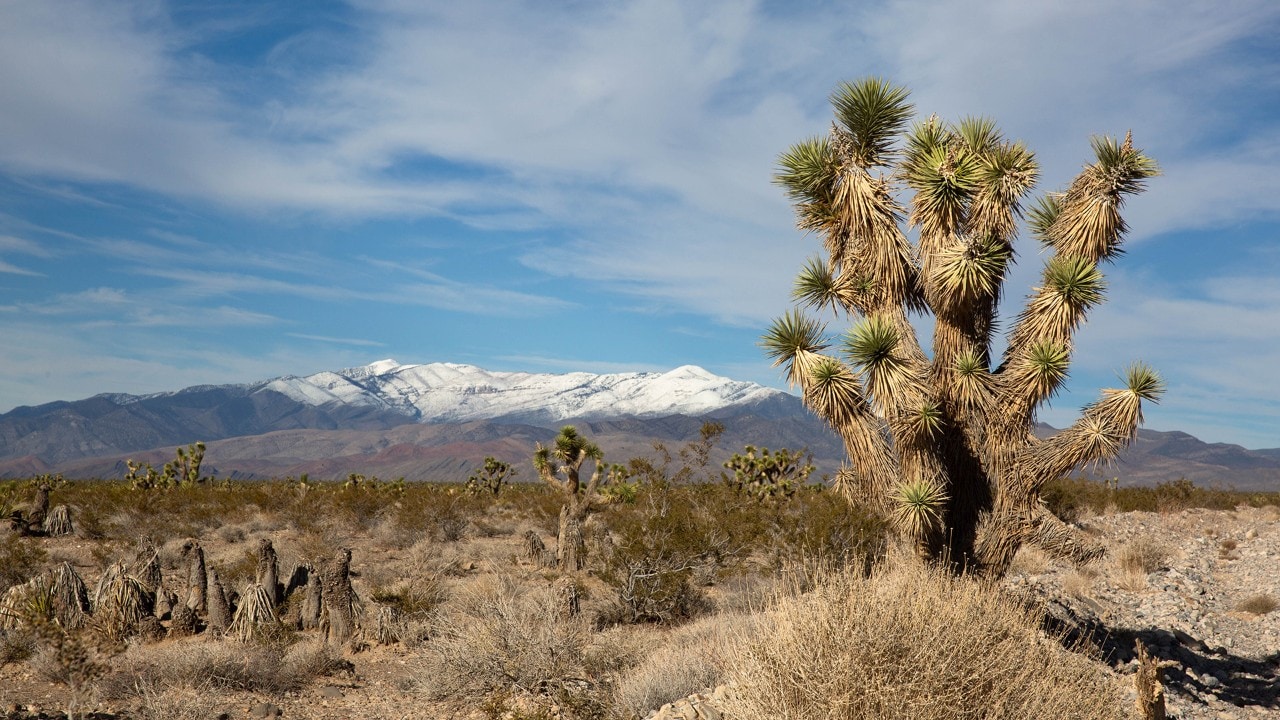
column 941, row 442
column 768, row 475
column 558, row 466
column 491, row 477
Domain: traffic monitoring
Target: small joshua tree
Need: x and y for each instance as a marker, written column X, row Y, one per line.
column 559, row 467
column 491, row 477
column 184, row 469
column 942, row 442
column 763, row 475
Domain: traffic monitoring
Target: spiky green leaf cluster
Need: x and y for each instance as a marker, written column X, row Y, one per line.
column 1143, row 381
column 873, row 113
column 872, row 342
column 917, row 507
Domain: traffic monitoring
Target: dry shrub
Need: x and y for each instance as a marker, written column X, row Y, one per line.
column 16, row 645
column 908, row 642
column 1030, row 560
column 499, row 635
column 1144, row 555
column 1079, row 582
column 689, row 660
column 20, row 558
column 1259, row 604
column 197, row 664
column 1137, row 560
column 179, row 703
column 1227, row 549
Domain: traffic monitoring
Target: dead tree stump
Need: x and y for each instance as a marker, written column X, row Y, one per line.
column 339, row 598
column 268, row 571
column 534, row 549
column 219, row 608
column 570, row 601
column 309, row 618
column 1149, row 682
column 197, row 578
column 146, row 568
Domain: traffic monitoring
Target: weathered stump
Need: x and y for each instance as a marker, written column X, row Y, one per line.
column 312, row 606
column 219, row 608
column 268, row 571
column 1149, row 682
column 197, row 577
column 534, row 549
column 339, row 598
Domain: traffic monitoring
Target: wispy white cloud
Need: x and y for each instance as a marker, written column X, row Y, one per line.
column 9, row 243
column 560, row 364
column 37, row 357
column 15, row 270
column 20, row 246
column 358, row 342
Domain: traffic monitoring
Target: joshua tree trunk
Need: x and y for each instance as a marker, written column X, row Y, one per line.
column 339, row 598
column 309, row 618
column 571, row 549
column 942, row 443
column 40, row 509
column 267, row 575
column 219, row 609
column 197, row 577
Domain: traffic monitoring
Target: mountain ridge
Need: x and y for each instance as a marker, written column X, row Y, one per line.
column 437, row 420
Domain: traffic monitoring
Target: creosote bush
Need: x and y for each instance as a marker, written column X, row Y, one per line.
column 1071, row 499
column 911, row 643
column 498, row 636
column 1259, row 604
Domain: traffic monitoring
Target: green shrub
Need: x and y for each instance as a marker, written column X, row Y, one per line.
column 657, row 544
column 20, row 559
column 1072, row 498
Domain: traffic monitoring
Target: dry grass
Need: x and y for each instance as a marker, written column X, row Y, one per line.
column 1079, row 582
column 1138, row 559
column 179, row 703
column 1030, row 560
column 689, row 659
column 911, row 644
column 1259, row 604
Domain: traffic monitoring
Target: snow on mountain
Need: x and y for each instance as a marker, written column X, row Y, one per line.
column 449, row 392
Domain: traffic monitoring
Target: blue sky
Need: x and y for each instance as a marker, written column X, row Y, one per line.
column 222, row 192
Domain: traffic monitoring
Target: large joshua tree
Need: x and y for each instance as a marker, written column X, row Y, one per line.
column 941, row 443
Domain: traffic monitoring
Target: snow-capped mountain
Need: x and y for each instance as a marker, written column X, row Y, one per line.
column 372, row 398
column 449, row 392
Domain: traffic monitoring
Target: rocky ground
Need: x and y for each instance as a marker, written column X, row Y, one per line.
column 1189, row 585
column 1199, row 588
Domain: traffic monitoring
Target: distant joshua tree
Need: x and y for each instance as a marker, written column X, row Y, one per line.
column 490, row 477
column 559, row 467
column 942, row 443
